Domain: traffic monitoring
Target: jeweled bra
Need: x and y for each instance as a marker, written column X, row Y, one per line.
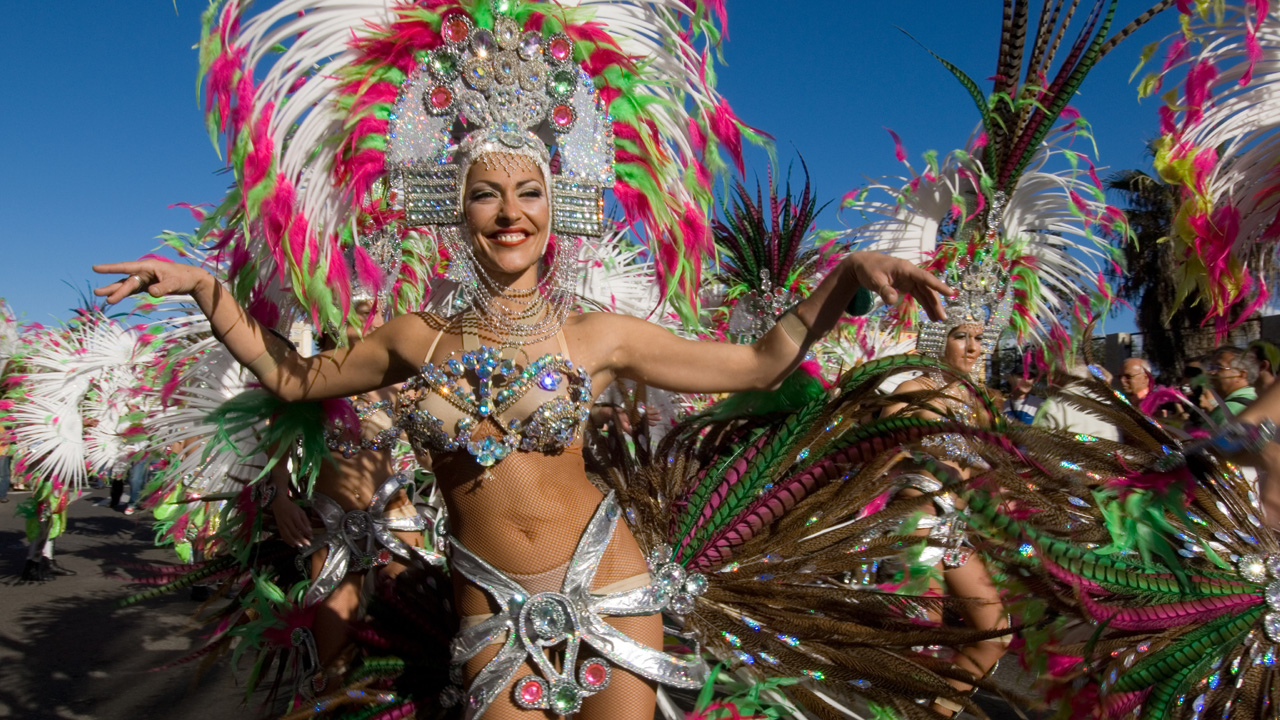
column 497, row 384
column 352, row 441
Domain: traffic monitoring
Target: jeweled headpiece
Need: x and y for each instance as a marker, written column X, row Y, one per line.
column 500, row 91
column 320, row 101
column 983, row 298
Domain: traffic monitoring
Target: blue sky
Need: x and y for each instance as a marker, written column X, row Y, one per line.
column 103, row 131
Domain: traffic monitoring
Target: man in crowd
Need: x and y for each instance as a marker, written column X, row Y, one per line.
column 1233, row 371
column 1136, row 376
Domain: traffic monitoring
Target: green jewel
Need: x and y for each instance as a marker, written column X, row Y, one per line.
column 562, row 83
column 564, row 699
column 443, row 64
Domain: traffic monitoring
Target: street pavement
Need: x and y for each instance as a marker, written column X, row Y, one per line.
column 69, row 652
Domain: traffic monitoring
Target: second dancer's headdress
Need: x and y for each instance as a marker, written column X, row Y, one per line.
column 1019, row 238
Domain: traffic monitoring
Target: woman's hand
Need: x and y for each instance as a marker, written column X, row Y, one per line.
column 152, row 276
column 890, row 276
column 292, row 521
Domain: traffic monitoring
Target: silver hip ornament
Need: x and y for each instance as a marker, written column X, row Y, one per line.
column 533, row 625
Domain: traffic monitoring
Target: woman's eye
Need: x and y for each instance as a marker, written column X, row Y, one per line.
column 534, row 193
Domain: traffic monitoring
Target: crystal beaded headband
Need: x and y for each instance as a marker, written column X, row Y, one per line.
column 500, row 90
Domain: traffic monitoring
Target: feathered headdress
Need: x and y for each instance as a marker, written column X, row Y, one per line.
column 1218, row 146
column 363, row 91
column 1017, row 239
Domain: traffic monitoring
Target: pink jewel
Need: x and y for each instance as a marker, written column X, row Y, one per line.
column 441, row 96
column 560, row 49
column 531, row 692
column 594, row 674
column 562, row 115
column 384, row 557
column 455, row 29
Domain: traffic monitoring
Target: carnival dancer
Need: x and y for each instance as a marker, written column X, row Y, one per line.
column 505, row 384
column 367, row 522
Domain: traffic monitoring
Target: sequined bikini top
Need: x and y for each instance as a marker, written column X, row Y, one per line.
column 536, row 408
column 377, row 428
column 951, row 446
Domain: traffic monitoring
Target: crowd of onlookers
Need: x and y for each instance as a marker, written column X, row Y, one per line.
column 1209, row 391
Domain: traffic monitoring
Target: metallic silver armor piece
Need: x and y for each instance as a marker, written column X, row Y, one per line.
column 947, row 526
column 569, row 617
column 362, row 535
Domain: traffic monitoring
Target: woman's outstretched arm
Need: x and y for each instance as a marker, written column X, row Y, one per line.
column 387, row 356
column 638, row 350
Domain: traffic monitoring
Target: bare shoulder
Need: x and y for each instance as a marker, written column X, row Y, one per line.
column 913, row 385
column 601, row 339
column 410, row 335
column 594, row 327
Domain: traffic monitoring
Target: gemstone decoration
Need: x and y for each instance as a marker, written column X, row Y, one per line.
column 593, row 675
column 1252, row 568
column 1271, row 624
column 439, row 100
column 443, row 65
column 532, row 75
column 530, row 693
column 660, row 555
column 478, row 74
column 562, row 117
column 681, row 604
column 672, row 575
column 560, row 49
column 566, row 699
column 506, row 31
column 696, row 584
column 548, row 620
column 530, row 46
column 1273, row 595
column 506, row 68
column 561, row 84
column 1273, row 565
column 483, row 44
column 455, row 29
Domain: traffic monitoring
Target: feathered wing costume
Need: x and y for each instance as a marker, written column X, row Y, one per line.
column 1218, row 147
column 755, row 524
column 1181, row 595
column 75, row 410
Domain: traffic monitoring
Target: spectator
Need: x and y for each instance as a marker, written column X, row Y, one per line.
column 1233, row 372
column 1268, row 357
column 1060, row 414
column 6, row 463
column 137, row 479
column 1020, row 405
column 1135, row 379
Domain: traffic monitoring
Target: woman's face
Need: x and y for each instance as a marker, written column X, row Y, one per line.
column 509, row 217
column 964, row 348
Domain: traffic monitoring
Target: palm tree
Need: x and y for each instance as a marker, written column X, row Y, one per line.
column 1150, row 282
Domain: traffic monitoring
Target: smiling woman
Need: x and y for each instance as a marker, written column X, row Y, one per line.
column 506, row 128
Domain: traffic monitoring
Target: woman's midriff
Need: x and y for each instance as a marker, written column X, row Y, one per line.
column 525, row 515
column 351, row 482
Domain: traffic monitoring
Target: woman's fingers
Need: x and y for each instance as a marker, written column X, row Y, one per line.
column 121, row 289
column 131, row 266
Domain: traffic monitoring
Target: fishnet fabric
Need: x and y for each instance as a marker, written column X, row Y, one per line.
column 525, row 516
